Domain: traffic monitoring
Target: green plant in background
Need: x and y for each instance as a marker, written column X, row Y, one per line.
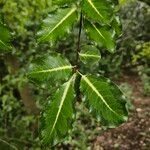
column 5, row 37
column 135, row 25
column 22, row 18
column 141, row 59
column 127, row 89
column 103, row 98
column 146, row 81
column 142, row 55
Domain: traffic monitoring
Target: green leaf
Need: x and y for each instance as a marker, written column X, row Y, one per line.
column 105, row 100
column 50, row 67
column 58, row 118
column 101, row 35
column 57, row 25
column 89, row 54
column 5, row 39
column 98, row 10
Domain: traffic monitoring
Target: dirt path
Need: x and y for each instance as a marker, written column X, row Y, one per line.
column 135, row 134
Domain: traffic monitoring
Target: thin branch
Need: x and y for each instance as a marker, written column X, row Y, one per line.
column 79, row 41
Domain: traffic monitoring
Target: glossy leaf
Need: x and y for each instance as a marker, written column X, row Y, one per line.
column 98, row 10
column 100, row 35
column 89, row 54
column 57, row 25
column 46, row 68
column 105, row 100
column 58, row 117
column 5, row 39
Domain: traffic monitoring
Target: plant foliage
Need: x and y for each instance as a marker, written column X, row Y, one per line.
column 59, row 113
column 105, row 100
column 90, row 54
column 55, row 26
column 5, row 38
column 102, row 97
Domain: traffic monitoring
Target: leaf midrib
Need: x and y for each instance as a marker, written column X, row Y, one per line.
column 59, row 23
column 98, row 31
column 99, row 95
column 92, row 5
column 53, row 69
column 61, row 103
column 88, row 55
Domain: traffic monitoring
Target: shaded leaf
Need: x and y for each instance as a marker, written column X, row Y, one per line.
column 62, row 2
column 5, row 39
column 89, row 54
column 105, row 100
column 59, row 113
column 1, row 19
column 57, row 25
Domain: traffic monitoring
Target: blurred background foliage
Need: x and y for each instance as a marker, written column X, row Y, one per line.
column 20, row 101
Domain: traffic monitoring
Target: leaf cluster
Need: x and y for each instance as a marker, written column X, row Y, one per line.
column 5, row 37
column 103, row 98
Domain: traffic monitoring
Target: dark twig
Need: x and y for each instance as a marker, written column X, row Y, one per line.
column 79, row 41
column 78, row 78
